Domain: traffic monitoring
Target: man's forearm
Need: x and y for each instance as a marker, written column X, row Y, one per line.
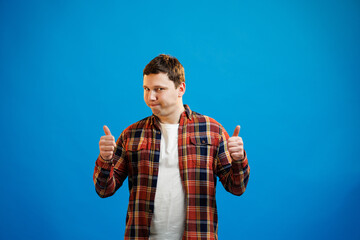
column 104, row 178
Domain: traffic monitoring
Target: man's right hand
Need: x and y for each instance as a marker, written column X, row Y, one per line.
column 107, row 144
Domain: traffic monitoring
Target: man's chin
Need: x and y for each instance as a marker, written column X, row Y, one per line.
column 155, row 111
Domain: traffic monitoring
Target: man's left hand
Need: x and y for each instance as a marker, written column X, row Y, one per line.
column 236, row 145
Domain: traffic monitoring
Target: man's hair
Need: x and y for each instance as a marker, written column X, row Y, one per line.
column 166, row 64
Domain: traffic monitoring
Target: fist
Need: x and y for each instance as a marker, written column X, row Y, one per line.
column 236, row 145
column 107, row 144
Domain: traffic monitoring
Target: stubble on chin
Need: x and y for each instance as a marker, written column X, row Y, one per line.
column 155, row 111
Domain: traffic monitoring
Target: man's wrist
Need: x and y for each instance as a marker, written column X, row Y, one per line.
column 241, row 160
column 106, row 160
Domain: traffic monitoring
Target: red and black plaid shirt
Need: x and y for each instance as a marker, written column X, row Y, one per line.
column 203, row 156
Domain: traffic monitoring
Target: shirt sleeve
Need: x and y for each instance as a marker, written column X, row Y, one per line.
column 233, row 174
column 109, row 175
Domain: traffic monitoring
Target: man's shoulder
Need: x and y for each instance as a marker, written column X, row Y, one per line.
column 198, row 117
column 136, row 131
column 205, row 124
column 141, row 124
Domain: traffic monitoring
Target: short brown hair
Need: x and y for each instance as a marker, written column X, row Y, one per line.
column 166, row 64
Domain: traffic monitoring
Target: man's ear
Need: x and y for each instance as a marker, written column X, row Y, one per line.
column 182, row 88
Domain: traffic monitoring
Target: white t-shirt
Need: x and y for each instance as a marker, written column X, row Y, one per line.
column 169, row 211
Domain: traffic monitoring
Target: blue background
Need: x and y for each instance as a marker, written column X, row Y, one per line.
column 286, row 71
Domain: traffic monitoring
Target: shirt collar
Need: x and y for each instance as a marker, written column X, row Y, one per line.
column 188, row 112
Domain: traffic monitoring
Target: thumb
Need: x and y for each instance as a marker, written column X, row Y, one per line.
column 236, row 131
column 106, row 130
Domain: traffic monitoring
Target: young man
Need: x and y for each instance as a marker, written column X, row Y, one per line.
column 172, row 160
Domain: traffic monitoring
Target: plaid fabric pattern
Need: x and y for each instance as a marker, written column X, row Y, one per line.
column 203, row 156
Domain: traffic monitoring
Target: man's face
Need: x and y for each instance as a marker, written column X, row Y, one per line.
column 161, row 95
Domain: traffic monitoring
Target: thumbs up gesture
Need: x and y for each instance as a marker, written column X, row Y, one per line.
column 236, row 145
column 107, row 144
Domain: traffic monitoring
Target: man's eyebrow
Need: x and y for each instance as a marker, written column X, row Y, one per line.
column 156, row 86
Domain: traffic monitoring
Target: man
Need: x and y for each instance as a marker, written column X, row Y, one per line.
column 172, row 160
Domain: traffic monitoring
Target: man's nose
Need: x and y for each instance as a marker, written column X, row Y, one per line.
column 152, row 96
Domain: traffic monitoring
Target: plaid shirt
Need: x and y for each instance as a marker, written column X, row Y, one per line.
column 203, row 156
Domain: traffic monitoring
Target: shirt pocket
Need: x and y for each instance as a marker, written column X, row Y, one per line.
column 134, row 145
column 138, row 154
column 202, row 150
